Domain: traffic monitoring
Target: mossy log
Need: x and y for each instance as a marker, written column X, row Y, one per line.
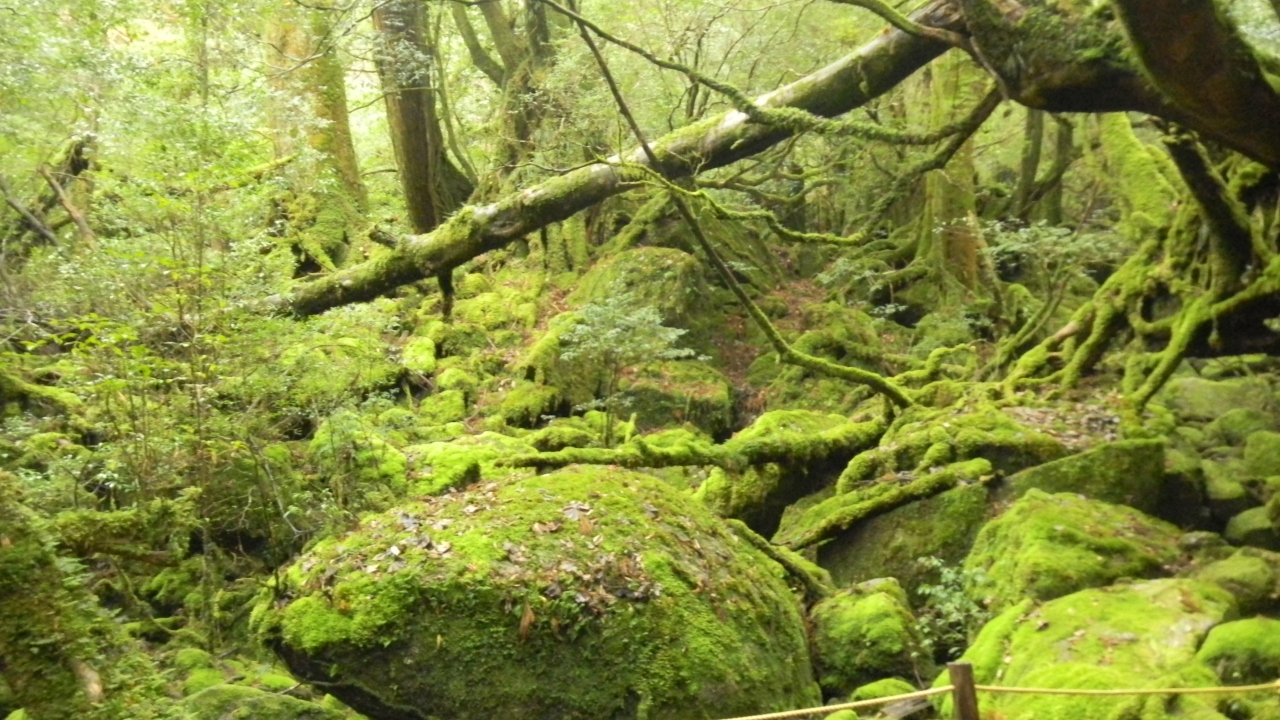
column 734, row 454
column 848, row 83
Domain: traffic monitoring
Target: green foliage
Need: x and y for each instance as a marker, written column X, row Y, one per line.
column 949, row 616
column 618, row 334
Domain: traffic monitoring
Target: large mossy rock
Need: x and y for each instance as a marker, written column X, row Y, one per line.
column 1194, row 399
column 584, row 593
column 1126, row 636
column 237, row 702
column 672, row 392
column 666, row 279
column 889, row 545
column 1244, row 652
column 863, row 634
column 1046, row 546
column 1127, row 472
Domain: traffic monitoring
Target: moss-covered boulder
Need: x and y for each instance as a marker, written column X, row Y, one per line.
column 1262, row 454
column 439, row 466
column 1046, row 546
column 584, row 593
column 1235, row 426
column 1251, row 575
column 889, row 545
column 238, row 702
column 1194, row 399
column 666, row 279
column 1243, row 652
column 1127, row 472
column 1253, row 527
column 1125, row 636
column 865, row 633
column 672, row 392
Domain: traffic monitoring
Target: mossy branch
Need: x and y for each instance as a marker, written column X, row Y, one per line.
column 786, row 353
column 847, row 509
column 735, row 454
column 816, row 581
column 907, row 25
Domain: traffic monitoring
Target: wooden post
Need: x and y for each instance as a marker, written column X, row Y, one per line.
column 963, row 695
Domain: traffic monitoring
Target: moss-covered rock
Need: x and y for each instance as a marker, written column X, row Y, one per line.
column 677, row 391
column 1127, row 472
column 887, row 687
column 354, row 459
column 419, row 356
column 1125, row 636
column 863, row 634
column 666, row 279
column 584, row 593
column 1194, row 399
column 1243, row 652
column 943, row 526
column 238, row 702
column 1235, row 426
column 1262, row 454
column 525, row 404
column 1253, row 527
column 1225, row 493
column 443, row 408
column 440, row 466
column 1248, row 575
column 577, row 379
column 1046, row 546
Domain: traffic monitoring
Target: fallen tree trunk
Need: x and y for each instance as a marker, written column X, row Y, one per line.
column 846, row 84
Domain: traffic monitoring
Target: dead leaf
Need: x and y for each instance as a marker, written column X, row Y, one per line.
column 526, row 622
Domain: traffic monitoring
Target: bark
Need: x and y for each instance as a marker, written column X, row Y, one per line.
column 32, row 223
column 433, row 186
column 1194, row 55
column 77, row 217
column 848, row 83
column 1032, row 142
column 483, row 61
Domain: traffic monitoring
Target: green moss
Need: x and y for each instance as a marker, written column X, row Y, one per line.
column 1046, row 546
column 526, row 403
column 419, row 356
column 1127, row 472
column 1251, row 579
column 666, row 279
column 354, row 459
column 1244, row 652
column 887, row 687
column 436, row 467
column 192, row 658
column 443, row 407
column 590, row 592
column 889, row 545
column 1145, row 191
column 1236, row 425
column 455, row 378
column 202, row 678
column 859, row 636
column 1253, row 527
column 1198, row 399
column 238, row 702
column 578, row 379
column 1139, row 635
column 1262, row 454
column 672, row 392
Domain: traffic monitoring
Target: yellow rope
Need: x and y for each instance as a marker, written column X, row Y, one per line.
column 826, row 709
column 1143, row 691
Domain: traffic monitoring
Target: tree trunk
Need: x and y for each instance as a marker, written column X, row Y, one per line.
column 1032, row 142
column 433, row 186
column 848, row 83
column 328, row 196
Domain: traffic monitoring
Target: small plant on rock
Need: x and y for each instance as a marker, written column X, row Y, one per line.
column 615, row 334
column 949, row 616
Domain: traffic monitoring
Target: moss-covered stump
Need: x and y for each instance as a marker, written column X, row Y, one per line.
column 889, row 545
column 1126, row 636
column 1244, row 652
column 1128, row 472
column 667, row 393
column 865, row 633
column 237, row 702
column 584, row 593
column 1046, row 546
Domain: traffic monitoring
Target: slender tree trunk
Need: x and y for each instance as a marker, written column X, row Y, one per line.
column 1032, row 142
column 433, row 186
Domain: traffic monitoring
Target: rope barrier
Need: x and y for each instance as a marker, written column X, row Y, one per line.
column 827, row 709
column 1262, row 687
